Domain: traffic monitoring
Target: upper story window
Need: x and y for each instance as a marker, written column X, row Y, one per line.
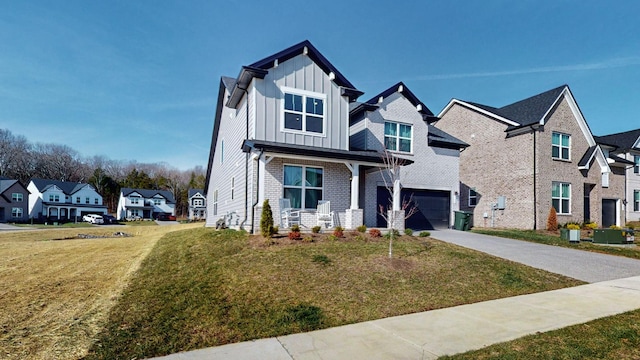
column 473, row 198
column 198, row 202
column 303, row 111
column 96, row 201
column 135, row 199
column 560, row 146
column 636, row 161
column 397, row 137
column 636, row 200
column 561, row 197
column 157, row 202
column 16, row 197
column 77, row 199
column 87, row 200
column 303, row 186
column 54, row 198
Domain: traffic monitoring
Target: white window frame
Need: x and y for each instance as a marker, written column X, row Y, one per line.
column 560, row 147
column 233, row 186
column 474, row 197
column 303, row 187
column 77, row 199
column 560, row 210
column 96, row 201
column 636, row 200
column 198, row 202
column 636, row 166
column 222, row 151
column 135, row 200
column 397, row 137
column 17, row 213
column 87, row 200
column 17, row 197
column 304, row 94
column 157, row 201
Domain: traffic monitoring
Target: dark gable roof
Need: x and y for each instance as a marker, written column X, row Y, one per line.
column 67, row 187
column 260, row 68
column 623, row 140
column 193, row 192
column 439, row 138
column 528, row 111
column 148, row 194
column 427, row 115
column 585, row 161
column 6, row 183
column 302, row 150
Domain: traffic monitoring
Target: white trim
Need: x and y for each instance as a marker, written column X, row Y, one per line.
column 480, row 110
column 560, row 183
column 397, row 136
column 560, row 146
column 636, row 145
column 304, row 94
column 252, row 119
column 319, row 159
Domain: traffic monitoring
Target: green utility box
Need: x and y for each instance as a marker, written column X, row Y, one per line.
column 609, row 236
column 463, row 220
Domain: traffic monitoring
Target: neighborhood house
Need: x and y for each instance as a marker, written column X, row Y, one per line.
column 53, row 200
column 288, row 129
column 136, row 204
column 14, row 201
column 197, row 204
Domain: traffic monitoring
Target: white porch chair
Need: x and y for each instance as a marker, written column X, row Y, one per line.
column 288, row 215
column 324, row 214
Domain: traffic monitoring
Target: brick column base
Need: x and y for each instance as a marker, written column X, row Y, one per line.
column 398, row 218
column 353, row 218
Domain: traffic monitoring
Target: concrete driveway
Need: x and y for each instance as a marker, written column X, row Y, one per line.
column 578, row 264
column 7, row 227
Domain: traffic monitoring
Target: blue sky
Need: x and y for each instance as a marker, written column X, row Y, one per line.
column 137, row 80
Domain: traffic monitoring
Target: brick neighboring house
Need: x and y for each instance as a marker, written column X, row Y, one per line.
column 282, row 131
column 535, row 153
column 624, row 147
column 14, row 201
column 55, row 200
column 197, row 204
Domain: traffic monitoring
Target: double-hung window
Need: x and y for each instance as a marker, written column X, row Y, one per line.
column 77, row 199
column 561, row 197
column 16, row 212
column 636, row 200
column 135, row 200
column 636, row 166
column 215, row 202
column 473, row 198
column 303, row 186
column 397, row 136
column 303, row 111
column 157, row 202
column 16, row 197
column 560, row 146
column 87, row 200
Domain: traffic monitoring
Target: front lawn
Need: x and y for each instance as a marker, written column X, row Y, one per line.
column 548, row 238
column 201, row 288
column 613, row 338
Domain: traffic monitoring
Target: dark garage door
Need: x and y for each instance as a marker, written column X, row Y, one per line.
column 433, row 208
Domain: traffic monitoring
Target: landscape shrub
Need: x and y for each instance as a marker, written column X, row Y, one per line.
column 294, row 235
column 408, row 232
column 395, row 232
column 362, row 228
column 375, row 233
column 295, row 228
column 316, row 229
column 573, row 226
column 590, row 225
column 266, row 220
column 338, row 232
column 425, row 234
column 307, row 239
column 552, row 220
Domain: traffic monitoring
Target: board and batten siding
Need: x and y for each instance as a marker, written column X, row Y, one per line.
column 301, row 73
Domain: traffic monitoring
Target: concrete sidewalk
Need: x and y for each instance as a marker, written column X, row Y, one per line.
column 431, row 334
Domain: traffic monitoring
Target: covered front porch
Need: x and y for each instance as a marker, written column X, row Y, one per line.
column 305, row 177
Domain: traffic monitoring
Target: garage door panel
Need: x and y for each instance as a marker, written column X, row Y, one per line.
column 433, row 208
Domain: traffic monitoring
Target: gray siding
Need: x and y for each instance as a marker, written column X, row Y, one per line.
column 300, row 73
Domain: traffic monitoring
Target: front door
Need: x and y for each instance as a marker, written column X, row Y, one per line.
column 587, row 201
column 609, row 213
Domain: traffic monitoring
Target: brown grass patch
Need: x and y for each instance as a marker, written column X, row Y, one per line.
column 56, row 294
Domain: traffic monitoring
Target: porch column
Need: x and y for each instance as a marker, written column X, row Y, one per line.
column 396, row 195
column 355, row 185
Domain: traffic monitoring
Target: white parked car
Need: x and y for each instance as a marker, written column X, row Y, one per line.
column 93, row 219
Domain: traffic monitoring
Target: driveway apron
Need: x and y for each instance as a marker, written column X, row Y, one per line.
column 578, row 264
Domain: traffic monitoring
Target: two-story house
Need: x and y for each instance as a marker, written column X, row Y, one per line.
column 62, row 200
column 398, row 122
column 14, row 201
column 290, row 114
column 529, row 156
column 197, row 204
column 144, row 204
column 624, row 149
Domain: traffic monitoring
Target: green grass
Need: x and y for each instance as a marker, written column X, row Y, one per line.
column 140, row 223
column 614, row 338
column 201, row 288
column 548, row 239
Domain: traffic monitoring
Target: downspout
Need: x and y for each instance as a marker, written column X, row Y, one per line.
column 246, row 164
column 535, row 194
column 253, row 207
